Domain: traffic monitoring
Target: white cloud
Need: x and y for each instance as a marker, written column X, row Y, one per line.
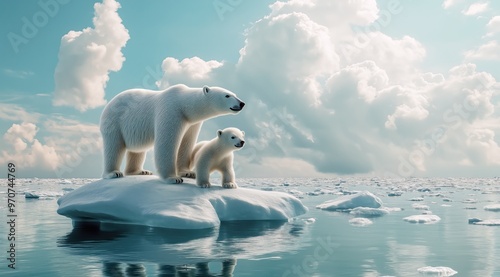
column 489, row 51
column 62, row 151
column 21, row 74
column 190, row 70
column 86, row 57
column 493, row 26
column 449, row 3
column 12, row 112
column 476, row 8
column 324, row 97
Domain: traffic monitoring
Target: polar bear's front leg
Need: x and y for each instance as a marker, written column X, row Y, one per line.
column 167, row 142
column 135, row 162
column 203, row 177
column 228, row 176
column 185, row 151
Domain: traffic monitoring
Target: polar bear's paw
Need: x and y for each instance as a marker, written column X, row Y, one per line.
column 189, row 174
column 113, row 174
column 204, row 185
column 173, row 180
column 230, row 185
column 140, row 172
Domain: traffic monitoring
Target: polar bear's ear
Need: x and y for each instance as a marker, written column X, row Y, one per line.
column 206, row 89
column 243, row 132
column 219, row 133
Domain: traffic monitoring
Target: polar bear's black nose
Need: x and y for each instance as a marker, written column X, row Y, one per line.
column 242, row 142
column 242, row 104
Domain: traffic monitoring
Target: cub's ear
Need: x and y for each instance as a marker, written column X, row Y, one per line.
column 243, row 132
column 206, row 89
column 219, row 133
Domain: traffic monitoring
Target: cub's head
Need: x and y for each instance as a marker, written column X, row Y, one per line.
column 223, row 100
column 232, row 138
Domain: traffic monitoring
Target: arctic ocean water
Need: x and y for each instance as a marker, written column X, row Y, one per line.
column 319, row 243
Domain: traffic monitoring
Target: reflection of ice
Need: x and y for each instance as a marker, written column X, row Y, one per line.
column 169, row 247
column 436, row 271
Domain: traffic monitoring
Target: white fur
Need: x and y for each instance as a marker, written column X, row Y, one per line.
column 137, row 119
column 217, row 154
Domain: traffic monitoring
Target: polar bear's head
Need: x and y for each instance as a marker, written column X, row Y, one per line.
column 232, row 138
column 223, row 100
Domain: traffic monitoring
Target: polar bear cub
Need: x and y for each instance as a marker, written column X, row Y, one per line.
column 217, row 154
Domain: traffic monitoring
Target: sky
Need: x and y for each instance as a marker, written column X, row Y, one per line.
column 389, row 88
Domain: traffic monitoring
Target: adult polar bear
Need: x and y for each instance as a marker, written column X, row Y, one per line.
column 135, row 120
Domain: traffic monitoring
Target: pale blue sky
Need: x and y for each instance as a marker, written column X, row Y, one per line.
column 424, row 37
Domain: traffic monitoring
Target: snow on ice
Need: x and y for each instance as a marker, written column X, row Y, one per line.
column 146, row 200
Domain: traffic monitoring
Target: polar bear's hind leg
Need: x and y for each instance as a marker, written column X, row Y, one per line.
column 135, row 162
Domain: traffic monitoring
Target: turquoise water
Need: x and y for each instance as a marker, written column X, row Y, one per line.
column 319, row 243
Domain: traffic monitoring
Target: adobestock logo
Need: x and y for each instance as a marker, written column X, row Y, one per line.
column 31, row 26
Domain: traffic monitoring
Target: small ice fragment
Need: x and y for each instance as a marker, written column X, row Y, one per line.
column 395, row 193
column 31, row 195
column 361, row 199
column 492, row 208
column 417, row 199
column 369, row 212
column 420, row 207
column 474, row 220
column 447, row 200
column 360, row 221
column 469, row 201
column 422, row 218
column 436, row 271
column 310, row 220
column 489, row 222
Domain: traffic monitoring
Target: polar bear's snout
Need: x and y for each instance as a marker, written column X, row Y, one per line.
column 238, row 107
column 239, row 144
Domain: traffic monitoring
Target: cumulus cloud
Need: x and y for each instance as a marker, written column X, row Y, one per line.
column 476, row 8
column 489, row 52
column 347, row 101
column 60, row 152
column 86, row 57
column 449, row 3
column 493, row 26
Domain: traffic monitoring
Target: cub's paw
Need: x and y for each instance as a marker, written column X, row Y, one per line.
column 189, row 174
column 230, row 185
column 113, row 174
column 173, row 180
column 205, row 185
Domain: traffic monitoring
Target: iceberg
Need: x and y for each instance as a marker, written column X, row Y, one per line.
column 148, row 201
column 347, row 202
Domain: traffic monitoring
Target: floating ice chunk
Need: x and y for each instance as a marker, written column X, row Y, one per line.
column 469, row 201
column 310, row 220
column 360, row 222
column 369, row 212
column 31, row 195
column 422, row 218
column 347, row 202
column 489, row 222
column 420, row 207
column 395, row 193
column 65, row 181
column 447, row 200
column 147, row 200
column 436, row 271
column 417, row 199
column 486, row 222
column 492, row 208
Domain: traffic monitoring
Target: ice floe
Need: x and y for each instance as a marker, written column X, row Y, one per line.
column 486, row 222
column 360, row 221
column 492, row 208
column 422, row 218
column 146, row 200
column 436, row 271
column 351, row 201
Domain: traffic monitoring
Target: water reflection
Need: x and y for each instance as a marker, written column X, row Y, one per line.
column 123, row 249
